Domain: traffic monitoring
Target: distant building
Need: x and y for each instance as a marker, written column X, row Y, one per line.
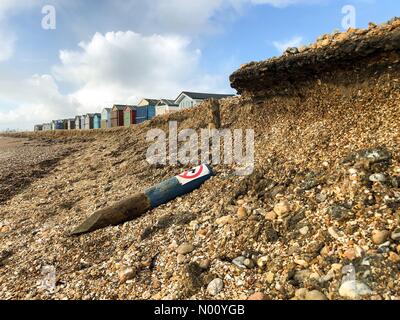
column 190, row 99
column 46, row 127
column 97, row 121
column 106, row 118
column 71, row 124
column 148, row 102
column 149, row 105
column 78, row 123
column 117, row 116
column 38, row 127
column 88, row 121
column 129, row 116
column 166, row 106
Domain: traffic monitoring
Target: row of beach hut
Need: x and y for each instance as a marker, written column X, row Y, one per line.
column 127, row 115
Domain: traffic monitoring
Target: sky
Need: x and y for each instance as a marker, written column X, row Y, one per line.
column 61, row 58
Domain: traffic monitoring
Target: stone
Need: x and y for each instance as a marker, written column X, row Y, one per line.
column 394, row 257
column 354, row 289
column 257, row 296
column 315, row 295
column 396, row 235
column 292, row 50
column 340, row 213
column 249, row 263
column 321, row 197
column 270, row 276
column 215, row 287
column 380, row 236
column 303, row 231
column 301, row 293
column 180, row 258
column 239, row 262
column 126, row 274
column 270, row 216
column 282, row 208
column 377, row 177
column 224, row 220
column 262, row 262
column 350, row 254
column 204, row 264
column 242, row 213
column 185, row 248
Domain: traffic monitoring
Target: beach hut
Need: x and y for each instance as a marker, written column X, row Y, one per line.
column 129, row 115
column 57, row 125
column 83, row 122
column 89, row 121
column 166, row 106
column 141, row 114
column 47, row 127
column 151, row 107
column 106, row 118
column 71, row 124
column 117, row 116
column 78, row 123
column 97, row 121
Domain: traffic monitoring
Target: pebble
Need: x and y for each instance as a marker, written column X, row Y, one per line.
column 185, row 248
column 396, row 235
column 377, row 177
column 321, row 197
column 257, row 296
column 215, row 287
column 350, row 254
column 242, row 213
column 270, row 276
column 204, row 264
column 354, row 289
column 249, row 263
column 126, row 274
column 180, row 258
column 380, row 236
column 301, row 293
column 315, row 295
column 270, row 216
column 394, row 257
column 239, row 262
column 282, row 208
column 262, row 262
column 303, row 231
column 224, row 220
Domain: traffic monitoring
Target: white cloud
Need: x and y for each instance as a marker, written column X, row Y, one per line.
column 281, row 46
column 37, row 98
column 121, row 67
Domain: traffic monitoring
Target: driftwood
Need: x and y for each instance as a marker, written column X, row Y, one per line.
column 140, row 203
column 120, row 212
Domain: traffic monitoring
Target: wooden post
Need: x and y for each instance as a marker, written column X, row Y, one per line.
column 216, row 113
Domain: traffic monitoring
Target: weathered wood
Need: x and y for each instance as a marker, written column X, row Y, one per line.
column 137, row 205
column 216, row 113
column 120, row 212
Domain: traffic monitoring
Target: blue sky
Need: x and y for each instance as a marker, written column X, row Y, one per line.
column 104, row 52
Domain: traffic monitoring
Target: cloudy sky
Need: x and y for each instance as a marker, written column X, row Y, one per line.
column 103, row 52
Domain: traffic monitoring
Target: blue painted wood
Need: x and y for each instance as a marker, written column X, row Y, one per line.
column 170, row 189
